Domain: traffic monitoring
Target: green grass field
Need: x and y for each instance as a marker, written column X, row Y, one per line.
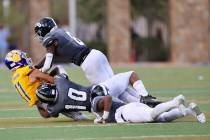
column 17, row 121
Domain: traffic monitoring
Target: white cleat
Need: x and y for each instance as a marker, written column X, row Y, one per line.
column 197, row 113
column 180, row 103
column 180, row 100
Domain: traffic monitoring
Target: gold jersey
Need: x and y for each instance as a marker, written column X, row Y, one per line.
column 25, row 88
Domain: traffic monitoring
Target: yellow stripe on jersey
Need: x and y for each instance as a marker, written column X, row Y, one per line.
column 25, row 88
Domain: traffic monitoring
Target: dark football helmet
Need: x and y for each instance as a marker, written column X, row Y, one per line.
column 99, row 90
column 44, row 26
column 47, row 93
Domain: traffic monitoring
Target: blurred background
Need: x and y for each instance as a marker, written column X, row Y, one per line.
column 127, row 31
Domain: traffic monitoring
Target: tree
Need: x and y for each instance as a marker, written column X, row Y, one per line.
column 59, row 10
column 91, row 11
column 151, row 9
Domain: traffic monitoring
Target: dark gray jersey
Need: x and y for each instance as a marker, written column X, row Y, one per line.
column 115, row 105
column 69, row 47
column 71, row 97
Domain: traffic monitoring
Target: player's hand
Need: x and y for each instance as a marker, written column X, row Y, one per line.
column 99, row 121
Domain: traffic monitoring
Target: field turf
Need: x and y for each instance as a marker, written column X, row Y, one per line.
column 19, row 122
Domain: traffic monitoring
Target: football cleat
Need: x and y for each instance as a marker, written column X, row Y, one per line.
column 180, row 100
column 17, row 58
column 197, row 113
column 150, row 100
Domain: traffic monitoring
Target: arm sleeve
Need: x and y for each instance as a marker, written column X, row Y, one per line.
column 47, row 63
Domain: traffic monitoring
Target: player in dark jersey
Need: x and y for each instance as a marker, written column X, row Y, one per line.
column 67, row 96
column 109, row 110
column 61, row 43
column 74, row 97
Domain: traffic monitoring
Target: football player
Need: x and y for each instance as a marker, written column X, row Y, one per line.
column 110, row 111
column 61, row 43
column 27, row 79
column 66, row 95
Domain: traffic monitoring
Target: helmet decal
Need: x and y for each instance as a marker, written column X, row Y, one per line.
column 17, row 58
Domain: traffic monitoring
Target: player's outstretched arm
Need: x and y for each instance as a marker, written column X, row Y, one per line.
column 50, row 47
column 48, row 62
column 36, row 74
column 104, row 105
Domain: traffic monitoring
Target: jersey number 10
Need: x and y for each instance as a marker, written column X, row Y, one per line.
column 77, row 96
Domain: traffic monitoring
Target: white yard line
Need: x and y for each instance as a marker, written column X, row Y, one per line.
column 141, row 137
column 17, row 109
column 133, row 137
column 60, row 126
column 15, row 118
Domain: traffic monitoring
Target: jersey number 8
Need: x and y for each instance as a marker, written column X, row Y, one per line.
column 75, row 39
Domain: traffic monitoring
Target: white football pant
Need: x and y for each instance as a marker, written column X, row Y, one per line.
column 140, row 113
column 118, row 86
column 96, row 67
column 97, row 70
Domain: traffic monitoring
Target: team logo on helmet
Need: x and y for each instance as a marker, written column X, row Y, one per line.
column 14, row 56
column 17, row 58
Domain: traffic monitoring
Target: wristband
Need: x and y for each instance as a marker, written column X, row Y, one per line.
column 105, row 115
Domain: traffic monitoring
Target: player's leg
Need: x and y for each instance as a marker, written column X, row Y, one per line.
column 141, row 91
column 138, row 92
column 170, row 115
column 128, row 98
column 138, row 112
column 132, row 91
column 195, row 111
column 118, row 83
column 192, row 110
column 166, row 106
column 96, row 67
column 138, row 85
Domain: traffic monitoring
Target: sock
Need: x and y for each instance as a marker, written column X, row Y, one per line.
column 139, row 87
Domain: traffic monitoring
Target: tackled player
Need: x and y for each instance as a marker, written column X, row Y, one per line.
column 27, row 79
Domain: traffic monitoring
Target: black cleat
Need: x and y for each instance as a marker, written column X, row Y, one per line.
column 150, row 100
